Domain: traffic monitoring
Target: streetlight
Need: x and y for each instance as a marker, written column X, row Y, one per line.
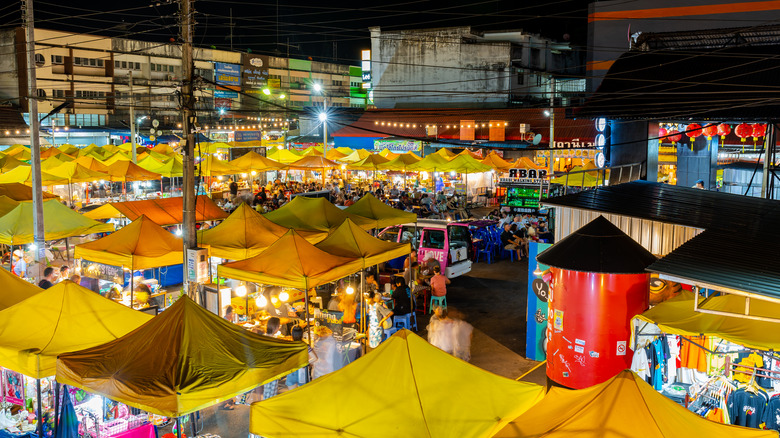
column 323, row 116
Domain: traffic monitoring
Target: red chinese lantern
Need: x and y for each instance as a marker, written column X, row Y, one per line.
column 759, row 130
column 743, row 131
column 710, row 131
column 674, row 136
column 662, row 135
column 724, row 129
column 692, row 131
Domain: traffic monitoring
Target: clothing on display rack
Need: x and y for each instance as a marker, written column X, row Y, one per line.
column 772, row 413
column 746, row 406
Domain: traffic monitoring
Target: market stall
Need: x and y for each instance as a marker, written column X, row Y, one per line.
column 138, row 246
column 314, row 214
column 382, row 214
column 623, row 406
column 66, row 317
column 243, row 234
column 60, row 222
column 181, row 361
column 284, row 156
column 398, row 389
column 312, row 163
column 162, row 211
column 15, row 289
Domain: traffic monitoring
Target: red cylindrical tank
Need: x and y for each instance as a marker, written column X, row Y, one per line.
column 588, row 324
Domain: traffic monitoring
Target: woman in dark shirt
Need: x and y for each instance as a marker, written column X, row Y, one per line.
column 402, row 304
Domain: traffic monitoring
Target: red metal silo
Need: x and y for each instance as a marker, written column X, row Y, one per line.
column 598, row 284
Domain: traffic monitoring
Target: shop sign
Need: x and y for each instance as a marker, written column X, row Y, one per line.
column 255, row 71
column 227, row 74
column 225, row 94
column 223, row 137
column 525, row 176
column 575, row 143
column 102, row 272
column 248, row 136
column 220, row 103
column 333, row 320
column 398, row 146
column 13, row 387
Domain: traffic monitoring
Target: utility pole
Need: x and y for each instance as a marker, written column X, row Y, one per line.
column 35, row 146
column 188, row 185
column 132, row 118
column 551, row 163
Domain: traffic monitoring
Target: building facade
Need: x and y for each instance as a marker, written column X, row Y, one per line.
column 458, row 67
column 100, row 78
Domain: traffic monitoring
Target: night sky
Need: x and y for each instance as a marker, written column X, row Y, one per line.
column 328, row 31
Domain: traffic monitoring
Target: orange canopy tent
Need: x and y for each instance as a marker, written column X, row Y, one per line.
column 162, row 211
column 126, row 171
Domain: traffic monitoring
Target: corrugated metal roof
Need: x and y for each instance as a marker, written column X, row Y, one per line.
column 709, row 38
column 722, row 84
column 745, row 261
column 677, row 205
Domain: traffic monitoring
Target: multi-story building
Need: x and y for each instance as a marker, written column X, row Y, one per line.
column 458, row 67
column 93, row 74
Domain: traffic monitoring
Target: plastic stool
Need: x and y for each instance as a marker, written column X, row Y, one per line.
column 437, row 301
column 408, row 321
column 388, row 332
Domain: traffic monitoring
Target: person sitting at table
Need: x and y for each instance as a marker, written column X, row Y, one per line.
column 521, row 235
column 438, row 283
column 511, row 242
column 370, row 284
column 141, row 296
column 402, row 303
column 76, row 278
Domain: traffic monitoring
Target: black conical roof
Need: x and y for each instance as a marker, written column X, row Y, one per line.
column 600, row 247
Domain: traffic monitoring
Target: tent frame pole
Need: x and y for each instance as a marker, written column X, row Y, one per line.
column 193, row 426
column 38, row 409
column 306, row 305
column 56, row 407
column 178, row 427
column 131, row 287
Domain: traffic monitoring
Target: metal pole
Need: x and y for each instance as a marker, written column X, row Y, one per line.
column 193, row 428
column 770, row 135
column 56, row 407
column 39, row 411
column 325, row 127
column 178, row 419
column 306, row 304
column 35, row 146
column 132, row 117
column 131, row 288
column 552, row 124
column 188, row 186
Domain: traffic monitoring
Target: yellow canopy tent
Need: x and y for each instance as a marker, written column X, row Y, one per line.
column 210, row 148
column 16, row 226
column 334, row 155
column 65, row 317
column 284, row 156
column 291, row 261
column 446, row 154
column 466, row 164
column 69, row 149
column 128, row 147
column 9, row 162
column 401, row 162
column 21, row 192
column 525, row 163
column 75, row 173
column 622, row 406
column 345, row 150
column 357, row 155
column 371, row 162
column 15, row 290
column 431, row 163
column 19, row 152
column 382, row 214
column 49, row 152
column 413, row 401
column 126, row 171
column 50, row 162
column 23, row 174
column 252, row 161
column 87, row 150
column 493, row 160
column 164, row 149
column 677, row 316
column 150, row 163
column 314, row 214
column 313, row 162
column 349, row 240
column 579, row 179
column 7, row 204
column 182, row 361
column 388, row 154
column 140, row 245
column 211, row 166
column 172, row 167
column 116, row 156
column 162, row 211
column 92, row 163
column 470, row 153
column 312, row 150
column 243, row 234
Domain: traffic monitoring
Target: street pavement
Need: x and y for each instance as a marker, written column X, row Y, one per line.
column 492, row 298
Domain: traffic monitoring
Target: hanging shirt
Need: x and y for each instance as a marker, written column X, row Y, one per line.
column 772, row 414
column 674, row 357
column 640, row 365
column 692, row 356
column 659, row 369
column 753, row 360
column 747, row 408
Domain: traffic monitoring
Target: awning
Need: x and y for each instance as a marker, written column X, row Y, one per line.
column 382, row 214
column 162, row 211
column 65, row 317
column 59, row 221
column 349, row 240
column 245, row 233
column 181, row 361
column 397, row 390
column 140, row 245
column 622, row 406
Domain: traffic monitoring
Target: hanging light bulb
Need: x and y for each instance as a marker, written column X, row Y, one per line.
column 241, row 291
column 284, row 296
column 350, row 290
column 261, row 301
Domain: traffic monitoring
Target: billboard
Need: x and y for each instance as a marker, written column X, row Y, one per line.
column 254, row 71
column 227, row 74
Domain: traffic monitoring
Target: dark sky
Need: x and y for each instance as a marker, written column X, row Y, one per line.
column 327, row 31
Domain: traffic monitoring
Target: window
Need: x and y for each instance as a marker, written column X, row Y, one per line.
column 536, row 58
column 520, row 77
column 88, row 62
column 39, row 60
column 56, row 59
column 41, row 93
column 460, row 237
column 58, row 93
column 410, row 234
column 433, row 239
column 390, row 235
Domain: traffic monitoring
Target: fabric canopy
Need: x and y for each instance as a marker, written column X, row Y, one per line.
column 291, row 261
column 334, row 155
column 59, row 222
column 15, row 289
column 401, row 389
column 387, row 153
column 284, row 156
column 21, row 192
column 467, row 164
column 50, row 162
column 677, row 316
column 312, row 150
column 355, row 156
column 401, row 162
column 126, row 171
column 150, row 163
column 65, row 317
column 170, row 168
column 493, row 160
column 76, row 173
column 622, row 406
column 432, row 162
column 211, row 166
column 382, row 214
column 182, row 361
column 525, row 163
column 243, row 234
column 164, row 149
column 446, row 153
column 140, row 245
column 580, row 179
column 23, row 174
column 68, row 149
column 92, row 164
column 349, row 240
column 8, row 162
column 314, row 214
column 313, row 162
column 252, row 161
column 371, row 162
column 7, row 204
column 162, row 211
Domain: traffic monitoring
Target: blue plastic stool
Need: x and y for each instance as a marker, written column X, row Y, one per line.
column 437, row 301
column 408, row 321
column 510, row 251
column 387, row 333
